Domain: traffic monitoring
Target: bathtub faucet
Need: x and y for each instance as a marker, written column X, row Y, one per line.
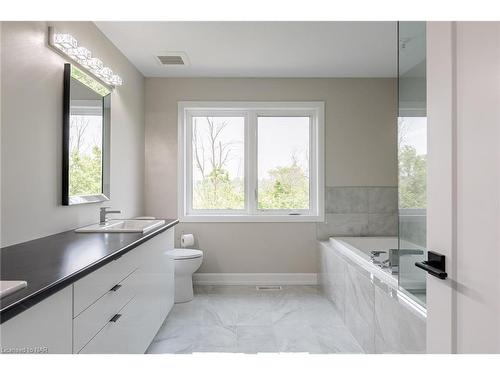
column 373, row 258
column 375, row 254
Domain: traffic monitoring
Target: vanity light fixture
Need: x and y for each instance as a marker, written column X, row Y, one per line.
column 67, row 45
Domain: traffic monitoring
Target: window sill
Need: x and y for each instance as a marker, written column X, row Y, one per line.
column 251, row 219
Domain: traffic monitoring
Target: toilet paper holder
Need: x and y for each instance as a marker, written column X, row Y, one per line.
column 187, row 240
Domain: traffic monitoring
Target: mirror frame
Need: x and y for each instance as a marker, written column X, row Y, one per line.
column 68, row 200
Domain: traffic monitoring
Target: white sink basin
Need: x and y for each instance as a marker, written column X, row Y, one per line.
column 9, row 287
column 122, row 226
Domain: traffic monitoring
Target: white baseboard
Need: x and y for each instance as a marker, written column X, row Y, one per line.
column 255, row 279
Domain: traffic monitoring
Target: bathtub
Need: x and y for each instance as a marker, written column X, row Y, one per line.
column 380, row 315
column 359, row 248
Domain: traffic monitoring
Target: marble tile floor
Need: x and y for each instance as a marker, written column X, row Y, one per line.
column 241, row 319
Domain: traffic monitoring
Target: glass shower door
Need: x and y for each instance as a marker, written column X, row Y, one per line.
column 412, row 157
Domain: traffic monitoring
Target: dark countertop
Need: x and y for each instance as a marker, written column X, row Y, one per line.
column 51, row 263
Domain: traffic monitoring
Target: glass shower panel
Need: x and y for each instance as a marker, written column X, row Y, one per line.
column 412, row 157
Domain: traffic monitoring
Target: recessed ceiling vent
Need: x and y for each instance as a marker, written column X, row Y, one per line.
column 172, row 59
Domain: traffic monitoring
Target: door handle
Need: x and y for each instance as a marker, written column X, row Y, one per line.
column 115, row 288
column 435, row 265
column 115, row 318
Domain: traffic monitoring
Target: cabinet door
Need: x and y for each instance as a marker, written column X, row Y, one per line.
column 44, row 328
column 155, row 289
column 157, row 274
column 140, row 319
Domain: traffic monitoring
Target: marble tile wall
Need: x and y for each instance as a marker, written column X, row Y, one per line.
column 360, row 211
column 412, row 226
column 379, row 319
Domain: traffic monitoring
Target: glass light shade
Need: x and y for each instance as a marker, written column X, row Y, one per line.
column 69, row 47
column 116, row 80
column 106, row 72
column 82, row 54
column 96, row 65
column 65, row 41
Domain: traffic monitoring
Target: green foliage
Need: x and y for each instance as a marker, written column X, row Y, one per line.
column 288, row 188
column 85, row 173
column 217, row 191
column 412, row 178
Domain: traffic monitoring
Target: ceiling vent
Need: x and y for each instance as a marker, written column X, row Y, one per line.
column 172, row 59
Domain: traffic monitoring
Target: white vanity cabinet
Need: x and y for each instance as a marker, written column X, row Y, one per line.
column 116, row 309
column 131, row 320
column 43, row 328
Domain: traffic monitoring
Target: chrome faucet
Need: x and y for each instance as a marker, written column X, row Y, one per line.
column 103, row 212
column 375, row 254
column 373, row 258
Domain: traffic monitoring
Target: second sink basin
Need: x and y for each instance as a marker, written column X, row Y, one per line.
column 122, row 226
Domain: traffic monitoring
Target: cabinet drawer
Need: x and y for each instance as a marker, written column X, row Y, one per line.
column 124, row 335
column 96, row 316
column 96, row 284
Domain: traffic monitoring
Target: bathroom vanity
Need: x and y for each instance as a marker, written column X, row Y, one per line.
column 88, row 292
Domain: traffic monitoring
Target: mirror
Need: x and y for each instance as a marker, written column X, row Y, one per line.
column 86, row 138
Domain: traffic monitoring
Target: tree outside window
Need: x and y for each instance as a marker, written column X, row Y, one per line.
column 412, row 158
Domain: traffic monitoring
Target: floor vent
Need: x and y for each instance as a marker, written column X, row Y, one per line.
column 269, row 287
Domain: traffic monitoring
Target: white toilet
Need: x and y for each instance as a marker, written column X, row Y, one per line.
column 186, row 261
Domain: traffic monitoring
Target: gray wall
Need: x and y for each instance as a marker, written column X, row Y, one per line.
column 31, row 92
column 360, row 151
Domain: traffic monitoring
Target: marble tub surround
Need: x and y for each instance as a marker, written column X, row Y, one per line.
column 359, row 211
column 381, row 318
column 400, row 326
column 359, row 306
column 241, row 319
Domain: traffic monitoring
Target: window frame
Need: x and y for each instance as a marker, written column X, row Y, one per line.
column 251, row 111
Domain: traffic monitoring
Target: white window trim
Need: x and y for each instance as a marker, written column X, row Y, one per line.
column 186, row 109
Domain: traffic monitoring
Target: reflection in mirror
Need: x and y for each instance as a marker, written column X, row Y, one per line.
column 85, row 139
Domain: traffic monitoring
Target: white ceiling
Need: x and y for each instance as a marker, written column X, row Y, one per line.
column 260, row 49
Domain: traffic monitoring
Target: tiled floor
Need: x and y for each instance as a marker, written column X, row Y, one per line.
column 243, row 320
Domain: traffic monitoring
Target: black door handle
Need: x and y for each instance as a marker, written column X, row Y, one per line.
column 115, row 288
column 435, row 265
column 115, row 318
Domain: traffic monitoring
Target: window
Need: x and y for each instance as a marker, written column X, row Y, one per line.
column 251, row 161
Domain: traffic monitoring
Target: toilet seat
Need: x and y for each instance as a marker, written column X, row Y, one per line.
column 180, row 254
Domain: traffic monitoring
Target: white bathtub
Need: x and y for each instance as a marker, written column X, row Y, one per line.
column 358, row 249
column 381, row 316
